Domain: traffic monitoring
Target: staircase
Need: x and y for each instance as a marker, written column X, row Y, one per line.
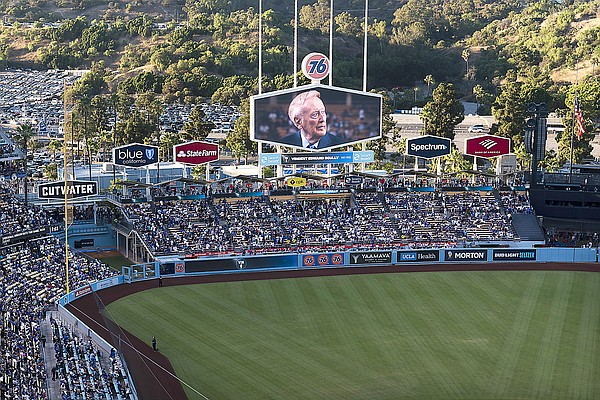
column 528, row 227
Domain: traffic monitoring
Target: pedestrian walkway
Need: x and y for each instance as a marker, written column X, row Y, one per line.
column 50, row 358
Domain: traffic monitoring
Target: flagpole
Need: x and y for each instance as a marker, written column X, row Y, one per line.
column 572, row 135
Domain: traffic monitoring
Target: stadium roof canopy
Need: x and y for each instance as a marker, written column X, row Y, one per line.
column 472, row 172
column 184, row 180
column 415, row 173
column 301, row 175
column 135, row 184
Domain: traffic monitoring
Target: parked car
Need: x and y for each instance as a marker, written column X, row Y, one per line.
column 476, row 129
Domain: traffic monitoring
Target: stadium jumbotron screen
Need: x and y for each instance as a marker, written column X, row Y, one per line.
column 315, row 117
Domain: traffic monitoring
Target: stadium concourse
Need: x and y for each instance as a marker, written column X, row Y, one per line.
column 45, row 357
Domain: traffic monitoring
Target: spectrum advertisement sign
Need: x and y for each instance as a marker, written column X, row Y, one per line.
column 418, row 256
column 195, row 152
column 322, row 260
column 371, row 257
column 135, row 155
column 428, row 146
column 487, row 146
column 465, row 255
column 514, row 255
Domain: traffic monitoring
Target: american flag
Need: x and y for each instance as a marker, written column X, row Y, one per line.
column 579, row 120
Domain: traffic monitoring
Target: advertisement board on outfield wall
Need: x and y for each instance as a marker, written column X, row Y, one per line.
column 418, row 256
column 370, row 257
column 465, row 255
column 514, row 255
column 241, row 263
column 322, row 260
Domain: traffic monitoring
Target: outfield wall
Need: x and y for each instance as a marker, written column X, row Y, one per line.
column 211, row 265
column 174, row 267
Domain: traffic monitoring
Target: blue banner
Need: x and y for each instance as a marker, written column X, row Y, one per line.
column 340, row 157
column 363, row 156
column 267, row 159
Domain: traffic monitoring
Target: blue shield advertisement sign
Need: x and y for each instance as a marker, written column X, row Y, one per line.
column 428, row 146
column 135, row 155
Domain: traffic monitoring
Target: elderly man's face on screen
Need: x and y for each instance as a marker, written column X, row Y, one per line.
column 313, row 120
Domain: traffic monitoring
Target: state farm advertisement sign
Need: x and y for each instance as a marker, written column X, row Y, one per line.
column 195, row 152
column 487, row 146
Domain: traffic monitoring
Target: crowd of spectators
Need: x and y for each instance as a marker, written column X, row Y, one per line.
column 15, row 217
column 82, row 370
column 295, row 223
column 460, row 217
column 7, row 150
column 33, row 278
column 557, row 237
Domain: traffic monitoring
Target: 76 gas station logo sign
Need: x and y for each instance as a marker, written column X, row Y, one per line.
column 315, row 66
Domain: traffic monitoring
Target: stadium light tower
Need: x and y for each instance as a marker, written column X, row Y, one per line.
column 535, row 137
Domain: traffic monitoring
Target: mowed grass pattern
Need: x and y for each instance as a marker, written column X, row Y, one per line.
column 449, row 335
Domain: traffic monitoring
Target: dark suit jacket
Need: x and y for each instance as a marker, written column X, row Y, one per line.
column 326, row 141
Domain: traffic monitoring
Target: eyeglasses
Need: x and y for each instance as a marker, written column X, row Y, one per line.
column 315, row 114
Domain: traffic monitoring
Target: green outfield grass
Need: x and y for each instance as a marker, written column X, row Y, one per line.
column 449, row 335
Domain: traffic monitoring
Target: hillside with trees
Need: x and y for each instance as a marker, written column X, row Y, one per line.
column 501, row 54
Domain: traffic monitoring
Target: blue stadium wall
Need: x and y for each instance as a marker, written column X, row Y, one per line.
column 280, row 262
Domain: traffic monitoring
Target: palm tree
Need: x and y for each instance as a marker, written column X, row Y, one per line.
column 24, row 134
column 466, row 53
column 55, row 146
column 429, row 80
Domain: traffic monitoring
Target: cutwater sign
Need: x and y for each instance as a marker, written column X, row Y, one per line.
column 75, row 189
column 135, row 155
column 428, row 146
column 195, row 152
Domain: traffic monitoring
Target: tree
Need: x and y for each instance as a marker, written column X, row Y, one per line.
column 443, row 112
column 430, row 81
column 347, row 24
column 466, row 54
column 55, row 146
column 239, row 141
column 166, row 143
column 523, row 158
column 456, row 161
column 588, row 96
column 390, row 134
column 197, row 127
column 24, row 134
column 484, row 100
column 315, row 16
column 509, row 109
